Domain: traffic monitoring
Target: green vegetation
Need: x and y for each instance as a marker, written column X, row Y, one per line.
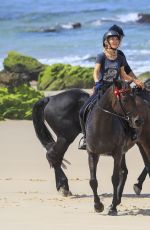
column 18, row 103
column 61, row 76
column 19, row 63
column 144, row 76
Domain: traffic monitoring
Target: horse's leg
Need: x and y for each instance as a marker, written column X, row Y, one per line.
column 55, row 156
column 115, row 182
column 93, row 160
column 138, row 186
column 61, row 181
column 123, row 177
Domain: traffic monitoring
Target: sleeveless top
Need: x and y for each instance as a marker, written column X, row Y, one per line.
column 110, row 69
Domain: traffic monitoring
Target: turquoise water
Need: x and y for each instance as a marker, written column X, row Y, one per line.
column 23, row 23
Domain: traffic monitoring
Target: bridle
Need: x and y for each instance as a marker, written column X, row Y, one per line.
column 118, row 93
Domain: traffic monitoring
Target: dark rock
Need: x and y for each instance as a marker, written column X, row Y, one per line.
column 11, row 80
column 76, row 25
column 52, row 29
column 56, row 28
column 18, row 63
column 45, row 30
column 48, row 30
column 144, row 18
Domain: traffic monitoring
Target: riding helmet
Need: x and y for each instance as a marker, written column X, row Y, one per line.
column 118, row 29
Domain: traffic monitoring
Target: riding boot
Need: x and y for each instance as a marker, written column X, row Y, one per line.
column 134, row 134
column 82, row 142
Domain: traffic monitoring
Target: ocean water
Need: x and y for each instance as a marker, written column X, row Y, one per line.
column 25, row 25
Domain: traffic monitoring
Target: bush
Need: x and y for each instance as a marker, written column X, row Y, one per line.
column 144, row 76
column 61, row 76
column 19, row 63
column 18, row 103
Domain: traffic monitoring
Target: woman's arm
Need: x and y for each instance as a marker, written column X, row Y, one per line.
column 96, row 72
column 129, row 78
column 127, row 68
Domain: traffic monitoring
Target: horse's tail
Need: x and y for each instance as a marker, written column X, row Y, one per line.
column 41, row 130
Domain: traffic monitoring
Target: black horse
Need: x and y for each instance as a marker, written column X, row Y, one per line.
column 61, row 112
column 144, row 138
column 105, row 135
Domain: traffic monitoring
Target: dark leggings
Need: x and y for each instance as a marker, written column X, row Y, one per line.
column 89, row 101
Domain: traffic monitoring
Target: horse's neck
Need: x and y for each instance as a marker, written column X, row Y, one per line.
column 144, row 94
column 143, row 108
column 101, row 117
column 106, row 100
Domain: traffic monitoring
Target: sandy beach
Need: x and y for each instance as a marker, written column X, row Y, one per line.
column 28, row 197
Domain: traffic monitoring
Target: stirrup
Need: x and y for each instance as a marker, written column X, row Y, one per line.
column 82, row 143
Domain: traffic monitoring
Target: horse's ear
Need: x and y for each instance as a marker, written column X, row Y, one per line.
column 117, row 83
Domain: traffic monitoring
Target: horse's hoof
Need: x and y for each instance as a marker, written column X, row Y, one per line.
column 112, row 212
column 65, row 192
column 99, row 207
column 137, row 190
column 69, row 193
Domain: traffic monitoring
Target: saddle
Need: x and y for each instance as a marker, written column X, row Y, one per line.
column 88, row 109
column 91, row 104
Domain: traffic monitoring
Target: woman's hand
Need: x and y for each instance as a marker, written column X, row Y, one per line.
column 97, row 85
column 139, row 83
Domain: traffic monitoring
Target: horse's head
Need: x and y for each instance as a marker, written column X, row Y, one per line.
column 124, row 103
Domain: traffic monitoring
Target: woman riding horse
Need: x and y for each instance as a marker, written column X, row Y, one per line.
column 109, row 65
column 61, row 112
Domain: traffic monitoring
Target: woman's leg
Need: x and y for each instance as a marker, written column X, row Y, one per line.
column 82, row 118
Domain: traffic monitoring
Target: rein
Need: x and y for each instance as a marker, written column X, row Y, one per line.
column 126, row 117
